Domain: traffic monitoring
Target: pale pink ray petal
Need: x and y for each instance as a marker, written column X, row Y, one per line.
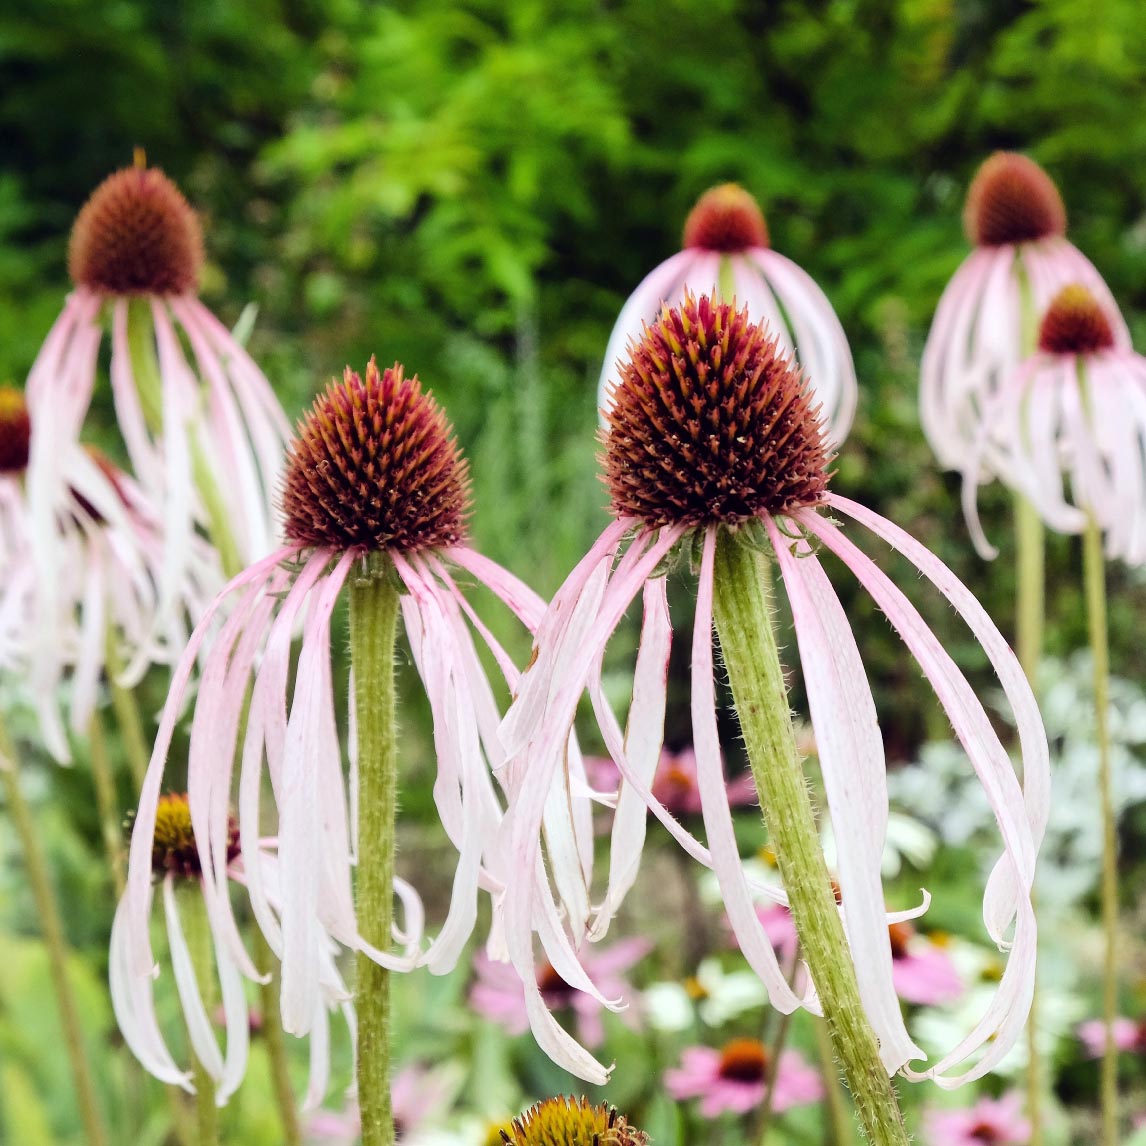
column 849, row 747
column 726, row 862
column 146, row 458
column 643, row 738
column 133, row 1002
column 138, row 893
column 237, row 1023
column 93, row 634
column 662, row 284
column 199, row 1030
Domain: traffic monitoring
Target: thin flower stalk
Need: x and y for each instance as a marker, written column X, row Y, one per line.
column 711, row 441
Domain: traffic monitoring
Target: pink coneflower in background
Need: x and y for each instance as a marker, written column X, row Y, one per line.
column 727, row 249
column 374, row 475
column 985, row 323
column 921, row 970
column 712, row 430
column 990, row 1122
column 1128, row 1036
column 735, row 1078
column 110, row 545
column 1067, row 429
column 497, row 992
column 205, row 435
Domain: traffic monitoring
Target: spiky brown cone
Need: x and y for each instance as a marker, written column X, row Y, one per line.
column 572, row 1122
column 136, row 235
column 15, row 431
column 1074, row 323
column 710, row 422
column 726, row 218
column 375, row 466
column 1012, row 200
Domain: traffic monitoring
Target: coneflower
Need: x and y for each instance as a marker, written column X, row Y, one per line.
column 204, row 435
column 713, row 448
column 727, row 248
column 376, row 502
column 572, row 1122
column 987, row 319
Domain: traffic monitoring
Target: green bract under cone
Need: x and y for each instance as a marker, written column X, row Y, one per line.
column 711, row 422
column 136, row 235
column 1012, row 200
column 572, row 1122
column 375, row 466
column 1075, row 324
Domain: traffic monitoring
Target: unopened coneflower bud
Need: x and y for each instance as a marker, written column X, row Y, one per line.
column 136, row 235
column 711, row 422
column 375, row 466
column 15, row 431
column 572, row 1122
column 1012, row 200
column 1075, row 323
column 173, row 848
column 727, row 219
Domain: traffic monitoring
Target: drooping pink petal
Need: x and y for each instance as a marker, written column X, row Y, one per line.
column 850, row 751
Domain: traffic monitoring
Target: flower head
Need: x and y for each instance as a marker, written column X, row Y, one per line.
column 711, row 422
column 922, row 971
column 726, row 219
column 375, row 488
column 708, row 365
column 726, row 248
column 15, row 431
column 136, row 235
column 1012, row 200
column 986, row 322
column 1067, row 429
column 990, row 1122
column 572, row 1122
column 735, row 1078
column 374, row 466
column 200, row 424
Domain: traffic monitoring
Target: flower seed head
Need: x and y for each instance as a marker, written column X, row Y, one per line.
column 375, row 466
column 744, row 1060
column 1012, row 200
column 1075, row 323
column 572, row 1122
column 15, row 431
column 173, row 847
column 710, row 422
column 136, row 235
column 726, row 218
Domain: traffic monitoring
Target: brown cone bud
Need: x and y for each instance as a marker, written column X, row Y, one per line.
column 726, row 218
column 1012, row 200
column 1074, row 323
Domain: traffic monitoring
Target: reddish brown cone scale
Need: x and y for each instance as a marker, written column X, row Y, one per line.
column 375, row 466
column 1012, row 200
column 15, row 431
column 727, row 219
column 711, row 422
column 136, row 235
column 1074, row 323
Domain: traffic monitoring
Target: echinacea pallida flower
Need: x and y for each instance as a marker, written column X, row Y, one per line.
column 205, row 434
column 1067, row 429
column 711, row 429
column 373, row 474
column 572, row 1122
column 175, row 863
column 110, row 544
column 727, row 247
column 984, row 325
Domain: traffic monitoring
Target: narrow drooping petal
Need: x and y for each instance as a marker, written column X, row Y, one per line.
column 849, row 747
